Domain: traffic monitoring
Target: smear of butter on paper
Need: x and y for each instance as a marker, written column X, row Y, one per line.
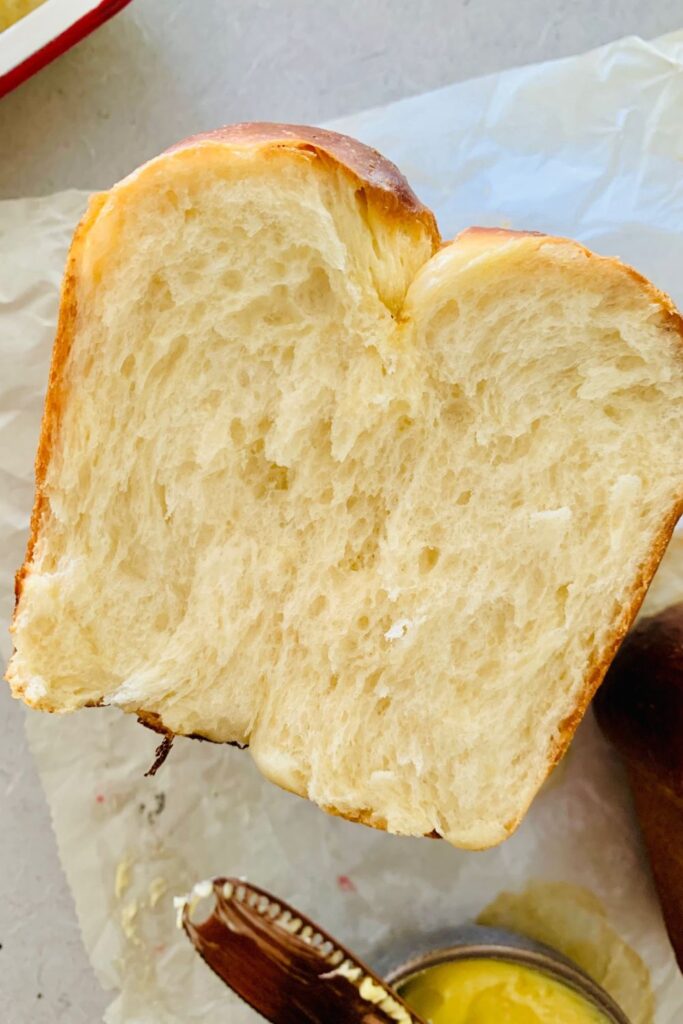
column 122, row 876
column 573, row 921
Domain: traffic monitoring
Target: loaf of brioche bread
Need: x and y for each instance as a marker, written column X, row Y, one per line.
column 640, row 708
column 311, row 481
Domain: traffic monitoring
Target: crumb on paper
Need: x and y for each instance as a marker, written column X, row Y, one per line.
column 159, row 805
column 152, row 813
column 157, row 888
column 128, row 917
column 123, row 877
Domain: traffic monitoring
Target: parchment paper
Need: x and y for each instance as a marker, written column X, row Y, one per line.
column 590, row 147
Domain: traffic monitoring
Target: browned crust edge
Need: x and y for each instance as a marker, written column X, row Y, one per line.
column 673, row 316
column 378, row 177
column 638, row 591
column 55, row 394
column 597, row 672
column 389, row 189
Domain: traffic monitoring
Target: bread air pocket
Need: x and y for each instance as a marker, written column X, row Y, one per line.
column 308, row 480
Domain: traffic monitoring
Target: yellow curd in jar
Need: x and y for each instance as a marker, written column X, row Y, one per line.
column 495, row 992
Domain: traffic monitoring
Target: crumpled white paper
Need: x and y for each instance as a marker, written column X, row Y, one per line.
column 589, row 147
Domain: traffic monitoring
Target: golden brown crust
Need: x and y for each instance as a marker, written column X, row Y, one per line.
column 151, row 720
column 56, row 387
column 505, row 234
column 360, row 816
column 629, row 612
column 379, row 177
column 502, row 235
column 596, row 675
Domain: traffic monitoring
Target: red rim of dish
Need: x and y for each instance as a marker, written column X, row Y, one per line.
column 91, row 20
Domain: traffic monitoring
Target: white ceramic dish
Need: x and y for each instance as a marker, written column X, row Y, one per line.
column 45, row 33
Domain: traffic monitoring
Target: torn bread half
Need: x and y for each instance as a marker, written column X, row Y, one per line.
column 311, row 481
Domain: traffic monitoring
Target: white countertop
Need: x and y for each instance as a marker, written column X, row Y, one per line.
column 155, row 73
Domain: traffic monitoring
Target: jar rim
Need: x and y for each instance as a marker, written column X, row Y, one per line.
column 509, row 947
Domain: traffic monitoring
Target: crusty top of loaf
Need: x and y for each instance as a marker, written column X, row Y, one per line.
column 381, row 179
column 482, row 238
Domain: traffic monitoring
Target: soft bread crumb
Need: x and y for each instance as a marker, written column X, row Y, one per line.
column 398, row 629
column 381, row 514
